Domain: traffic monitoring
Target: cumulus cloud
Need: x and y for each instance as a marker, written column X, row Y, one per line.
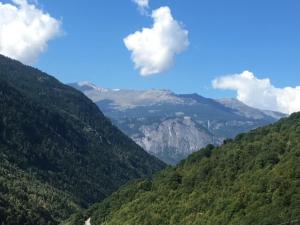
column 260, row 93
column 25, row 30
column 154, row 49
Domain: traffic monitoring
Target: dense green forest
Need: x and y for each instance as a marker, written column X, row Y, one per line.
column 58, row 153
column 252, row 180
column 26, row 200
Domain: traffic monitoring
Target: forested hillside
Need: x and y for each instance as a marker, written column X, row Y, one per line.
column 252, row 180
column 58, row 152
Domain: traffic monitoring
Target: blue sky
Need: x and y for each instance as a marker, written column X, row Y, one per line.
column 226, row 37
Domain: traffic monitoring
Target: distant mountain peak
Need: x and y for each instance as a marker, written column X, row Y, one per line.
column 126, row 98
column 248, row 111
column 88, row 86
column 171, row 125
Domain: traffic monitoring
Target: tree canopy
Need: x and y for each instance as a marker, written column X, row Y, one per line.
column 252, row 180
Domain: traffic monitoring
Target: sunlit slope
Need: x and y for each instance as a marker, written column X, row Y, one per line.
column 253, row 180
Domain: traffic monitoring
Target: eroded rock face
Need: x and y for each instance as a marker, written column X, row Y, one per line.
column 172, row 126
column 174, row 139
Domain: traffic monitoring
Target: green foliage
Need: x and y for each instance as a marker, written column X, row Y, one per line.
column 26, row 200
column 58, row 150
column 252, row 180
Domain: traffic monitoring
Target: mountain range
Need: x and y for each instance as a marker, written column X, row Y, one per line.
column 62, row 161
column 171, row 126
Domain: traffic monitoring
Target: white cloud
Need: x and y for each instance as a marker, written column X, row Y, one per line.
column 142, row 3
column 153, row 49
column 25, row 30
column 260, row 93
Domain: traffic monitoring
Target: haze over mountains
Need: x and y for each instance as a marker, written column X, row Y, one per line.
column 172, row 126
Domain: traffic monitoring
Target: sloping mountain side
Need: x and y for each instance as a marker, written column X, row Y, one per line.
column 252, row 180
column 58, row 152
column 172, row 126
column 25, row 199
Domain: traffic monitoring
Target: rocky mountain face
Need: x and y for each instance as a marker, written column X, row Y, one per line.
column 172, row 126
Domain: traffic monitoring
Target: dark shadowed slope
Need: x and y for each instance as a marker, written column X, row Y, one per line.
column 55, row 142
column 253, row 180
